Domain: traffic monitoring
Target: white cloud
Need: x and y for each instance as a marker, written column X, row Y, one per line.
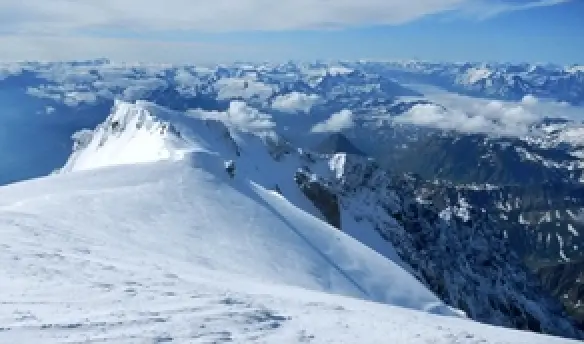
column 141, row 88
column 239, row 116
column 337, row 122
column 45, row 93
column 295, row 102
column 494, row 117
column 43, row 16
column 74, row 85
column 477, row 115
column 9, row 69
column 68, row 29
column 219, row 15
column 529, row 100
column 49, row 110
column 484, row 9
column 435, row 117
column 75, row 98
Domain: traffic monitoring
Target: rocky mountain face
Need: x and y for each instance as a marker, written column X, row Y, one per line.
column 482, row 159
column 541, row 223
column 531, row 188
column 565, row 279
column 338, row 143
column 458, row 251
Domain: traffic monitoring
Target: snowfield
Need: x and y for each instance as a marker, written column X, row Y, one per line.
column 145, row 238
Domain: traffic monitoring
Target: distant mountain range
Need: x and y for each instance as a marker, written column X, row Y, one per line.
column 496, row 80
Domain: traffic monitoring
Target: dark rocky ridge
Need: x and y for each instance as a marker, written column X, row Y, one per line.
column 338, row 143
column 460, row 253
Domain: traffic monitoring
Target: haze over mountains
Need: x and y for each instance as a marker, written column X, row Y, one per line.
column 300, row 202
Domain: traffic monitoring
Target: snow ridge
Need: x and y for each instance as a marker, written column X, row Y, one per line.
column 141, row 132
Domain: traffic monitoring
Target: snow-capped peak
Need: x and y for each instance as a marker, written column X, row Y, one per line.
column 475, row 75
column 575, row 69
column 142, row 132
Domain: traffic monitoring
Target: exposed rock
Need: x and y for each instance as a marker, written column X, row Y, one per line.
column 338, row 143
column 322, row 198
column 458, row 251
column 230, row 168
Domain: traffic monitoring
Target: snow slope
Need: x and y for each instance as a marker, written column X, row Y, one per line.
column 167, row 247
column 297, row 246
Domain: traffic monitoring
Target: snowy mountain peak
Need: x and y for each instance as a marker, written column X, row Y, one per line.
column 131, row 134
column 474, row 75
column 143, row 132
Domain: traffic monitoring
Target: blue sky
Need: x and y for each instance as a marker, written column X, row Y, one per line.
column 226, row 30
column 545, row 34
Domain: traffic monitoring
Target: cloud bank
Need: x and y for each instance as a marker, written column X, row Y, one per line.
column 239, row 116
column 495, row 118
column 219, row 15
column 337, row 122
column 295, row 102
column 477, row 115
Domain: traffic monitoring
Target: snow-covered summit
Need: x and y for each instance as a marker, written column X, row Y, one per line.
column 142, row 132
column 474, row 75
